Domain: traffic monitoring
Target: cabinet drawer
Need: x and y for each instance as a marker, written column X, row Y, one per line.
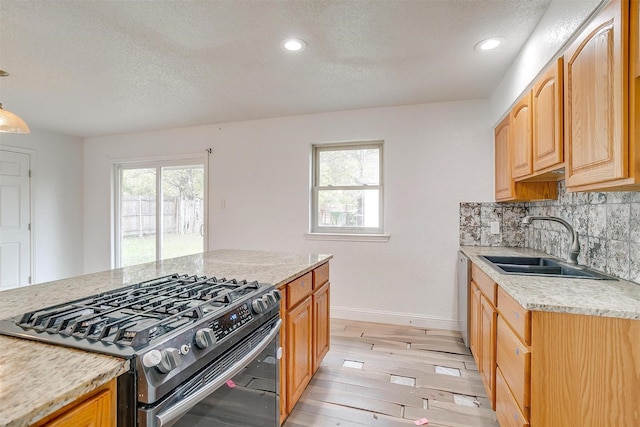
column 507, row 410
column 515, row 315
column 299, row 289
column 514, row 361
column 485, row 283
column 320, row 276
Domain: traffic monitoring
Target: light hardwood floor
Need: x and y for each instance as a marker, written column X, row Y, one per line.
column 393, row 380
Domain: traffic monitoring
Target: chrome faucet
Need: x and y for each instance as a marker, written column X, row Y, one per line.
column 574, row 245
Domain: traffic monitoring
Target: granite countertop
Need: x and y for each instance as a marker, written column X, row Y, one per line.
column 37, row 379
column 608, row 298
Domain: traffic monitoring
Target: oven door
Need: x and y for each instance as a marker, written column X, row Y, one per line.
column 241, row 388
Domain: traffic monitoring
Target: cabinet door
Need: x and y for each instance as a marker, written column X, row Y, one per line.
column 503, row 182
column 514, row 360
column 299, row 350
column 488, row 348
column 595, row 100
column 474, row 322
column 321, row 327
column 93, row 412
column 521, row 137
column 283, row 360
column 548, row 141
column 507, row 410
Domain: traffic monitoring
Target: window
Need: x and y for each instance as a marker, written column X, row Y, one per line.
column 150, row 231
column 347, row 188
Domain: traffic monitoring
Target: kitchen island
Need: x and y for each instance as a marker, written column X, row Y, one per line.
column 36, row 379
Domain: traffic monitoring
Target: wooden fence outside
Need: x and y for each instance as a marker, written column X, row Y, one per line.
column 179, row 215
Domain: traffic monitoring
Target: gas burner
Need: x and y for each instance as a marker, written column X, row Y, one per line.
column 180, row 332
column 133, row 316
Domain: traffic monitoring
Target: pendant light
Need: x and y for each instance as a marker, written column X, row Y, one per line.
column 10, row 122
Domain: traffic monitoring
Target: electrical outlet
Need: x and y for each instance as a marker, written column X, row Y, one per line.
column 495, row 227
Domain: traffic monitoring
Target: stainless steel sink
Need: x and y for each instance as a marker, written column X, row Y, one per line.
column 542, row 266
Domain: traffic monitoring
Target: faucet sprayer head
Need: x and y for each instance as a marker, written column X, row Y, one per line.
column 526, row 220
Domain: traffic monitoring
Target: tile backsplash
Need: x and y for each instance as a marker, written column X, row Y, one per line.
column 608, row 226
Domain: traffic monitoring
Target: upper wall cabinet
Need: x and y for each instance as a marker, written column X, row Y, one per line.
column 503, row 182
column 548, row 140
column 521, row 136
column 538, row 150
column 601, row 115
column 506, row 189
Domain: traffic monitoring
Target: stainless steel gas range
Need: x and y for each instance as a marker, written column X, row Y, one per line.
column 204, row 351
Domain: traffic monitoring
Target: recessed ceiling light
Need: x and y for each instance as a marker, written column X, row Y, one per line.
column 489, row 44
column 294, row 45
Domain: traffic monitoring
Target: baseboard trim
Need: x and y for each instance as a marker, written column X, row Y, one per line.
column 395, row 318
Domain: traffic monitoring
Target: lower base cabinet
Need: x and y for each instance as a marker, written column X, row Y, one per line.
column 507, row 409
column 557, row 369
column 299, row 351
column 305, row 334
column 96, row 409
column 321, row 330
column 585, row 371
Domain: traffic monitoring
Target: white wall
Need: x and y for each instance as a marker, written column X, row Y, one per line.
column 57, row 194
column 436, row 156
column 555, row 29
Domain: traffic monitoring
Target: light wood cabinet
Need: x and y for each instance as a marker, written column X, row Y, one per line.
column 321, row 324
column 305, row 334
column 504, row 185
column 559, row 369
column 547, row 121
column 488, row 348
column 284, row 358
column 521, row 137
column 514, row 361
column 507, row 410
column 474, row 321
column 96, row 409
column 601, row 154
column 584, row 370
column 506, row 188
column 483, row 328
column 299, row 350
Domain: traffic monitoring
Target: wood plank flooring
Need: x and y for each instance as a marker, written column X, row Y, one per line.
column 393, row 381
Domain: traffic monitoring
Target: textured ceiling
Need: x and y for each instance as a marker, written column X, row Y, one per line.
column 89, row 68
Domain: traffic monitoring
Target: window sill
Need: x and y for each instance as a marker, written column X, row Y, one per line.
column 340, row 237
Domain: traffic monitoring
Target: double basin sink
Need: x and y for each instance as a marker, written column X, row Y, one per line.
column 541, row 266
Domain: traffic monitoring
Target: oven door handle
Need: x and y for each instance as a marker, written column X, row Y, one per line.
column 169, row 415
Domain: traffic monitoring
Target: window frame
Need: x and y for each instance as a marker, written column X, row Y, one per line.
column 314, row 228
column 156, row 163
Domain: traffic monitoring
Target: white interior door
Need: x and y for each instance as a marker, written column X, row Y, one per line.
column 15, row 214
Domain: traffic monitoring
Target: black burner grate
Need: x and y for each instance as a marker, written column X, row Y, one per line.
column 135, row 314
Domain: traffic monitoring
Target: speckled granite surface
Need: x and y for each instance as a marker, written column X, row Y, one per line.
column 608, row 298
column 37, row 379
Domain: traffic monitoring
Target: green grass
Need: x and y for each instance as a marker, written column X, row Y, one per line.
column 137, row 250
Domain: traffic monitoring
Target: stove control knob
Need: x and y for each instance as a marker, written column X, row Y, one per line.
column 205, row 337
column 259, row 305
column 170, row 360
column 272, row 298
column 152, row 359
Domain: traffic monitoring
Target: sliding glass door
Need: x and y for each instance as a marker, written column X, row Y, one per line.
column 161, row 211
